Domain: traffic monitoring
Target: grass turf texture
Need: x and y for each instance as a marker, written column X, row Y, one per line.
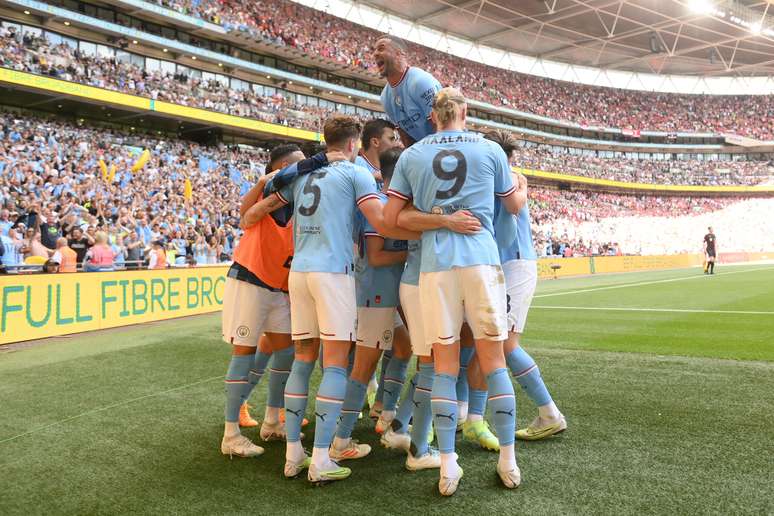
column 669, row 412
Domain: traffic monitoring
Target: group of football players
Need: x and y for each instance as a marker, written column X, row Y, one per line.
column 407, row 237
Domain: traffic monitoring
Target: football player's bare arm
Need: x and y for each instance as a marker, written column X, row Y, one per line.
column 374, row 212
column 378, row 256
column 259, row 210
column 252, row 196
column 461, row 221
column 407, row 140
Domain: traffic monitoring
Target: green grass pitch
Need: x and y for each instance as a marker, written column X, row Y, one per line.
column 666, row 379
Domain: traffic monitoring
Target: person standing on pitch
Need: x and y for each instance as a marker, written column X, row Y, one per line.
column 710, row 251
column 460, row 275
column 322, row 291
column 519, row 261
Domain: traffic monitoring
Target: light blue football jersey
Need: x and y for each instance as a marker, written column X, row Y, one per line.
column 450, row 171
column 413, row 261
column 513, row 234
column 378, row 286
column 363, row 162
column 325, row 203
column 409, row 103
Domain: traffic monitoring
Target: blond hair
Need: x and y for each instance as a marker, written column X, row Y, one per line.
column 447, row 105
column 101, row 237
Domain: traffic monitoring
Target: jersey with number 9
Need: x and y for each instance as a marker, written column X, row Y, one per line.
column 450, row 171
column 325, row 203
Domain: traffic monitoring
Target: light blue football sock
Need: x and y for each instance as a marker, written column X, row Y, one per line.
column 330, row 398
column 296, row 391
column 502, row 403
column 444, row 403
column 237, row 385
column 257, row 370
column 477, row 403
column 526, row 372
column 402, row 418
column 466, row 355
column 423, row 413
column 386, row 357
column 393, row 382
column 353, row 402
column 278, row 376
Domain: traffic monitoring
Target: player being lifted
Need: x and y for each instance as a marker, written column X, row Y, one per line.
column 322, row 291
column 407, row 97
column 519, row 262
column 710, row 251
column 460, row 275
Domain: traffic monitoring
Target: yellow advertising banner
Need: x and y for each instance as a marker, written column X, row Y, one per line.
column 603, row 264
column 46, row 305
column 560, row 267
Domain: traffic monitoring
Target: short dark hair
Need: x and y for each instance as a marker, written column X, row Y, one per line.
column 374, row 129
column 504, row 139
column 387, row 161
column 281, row 151
column 340, row 128
column 397, row 43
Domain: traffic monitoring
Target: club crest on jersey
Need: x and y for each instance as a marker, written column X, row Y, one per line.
column 387, row 336
column 243, row 332
column 398, row 101
column 437, row 210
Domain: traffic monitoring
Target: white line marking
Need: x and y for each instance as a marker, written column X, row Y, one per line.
column 108, row 407
column 627, row 285
column 679, row 310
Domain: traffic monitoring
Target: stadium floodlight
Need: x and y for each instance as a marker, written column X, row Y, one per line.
column 701, row 6
column 756, row 28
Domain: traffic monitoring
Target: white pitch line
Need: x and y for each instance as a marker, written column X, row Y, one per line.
column 678, row 310
column 108, row 407
column 641, row 283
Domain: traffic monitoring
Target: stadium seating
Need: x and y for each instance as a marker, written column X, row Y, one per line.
column 314, row 32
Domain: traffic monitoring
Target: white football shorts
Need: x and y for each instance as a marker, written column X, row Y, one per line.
column 322, row 304
column 475, row 294
column 250, row 310
column 520, row 282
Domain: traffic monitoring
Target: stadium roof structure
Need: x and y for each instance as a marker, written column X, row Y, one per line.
column 726, row 42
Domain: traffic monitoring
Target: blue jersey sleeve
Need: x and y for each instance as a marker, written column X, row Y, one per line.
column 289, row 174
column 503, row 182
column 399, row 184
column 365, row 185
column 426, row 87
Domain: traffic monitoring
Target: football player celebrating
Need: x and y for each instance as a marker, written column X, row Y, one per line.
column 407, row 98
column 460, row 275
column 322, row 290
column 519, row 262
column 378, row 270
column 255, row 301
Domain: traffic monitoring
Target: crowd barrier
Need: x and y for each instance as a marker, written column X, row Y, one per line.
column 46, row 305
column 34, row 306
column 562, row 267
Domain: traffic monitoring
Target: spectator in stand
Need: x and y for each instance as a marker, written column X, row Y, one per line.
column 65, row 257
column 79, row 243
column 100, row 256
column 157, row 257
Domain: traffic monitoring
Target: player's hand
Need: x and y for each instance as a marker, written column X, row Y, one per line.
column 462, row 221
column 333, row 156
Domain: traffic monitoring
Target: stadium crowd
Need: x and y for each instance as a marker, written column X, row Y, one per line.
column 672, row 172
column 284, row 22
column 51, row 187
column 30, row 53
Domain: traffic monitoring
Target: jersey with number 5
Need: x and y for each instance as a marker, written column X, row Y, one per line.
column 325, row 203
column 450, row 171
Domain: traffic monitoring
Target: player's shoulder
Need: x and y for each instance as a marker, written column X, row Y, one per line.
column 416, row 74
